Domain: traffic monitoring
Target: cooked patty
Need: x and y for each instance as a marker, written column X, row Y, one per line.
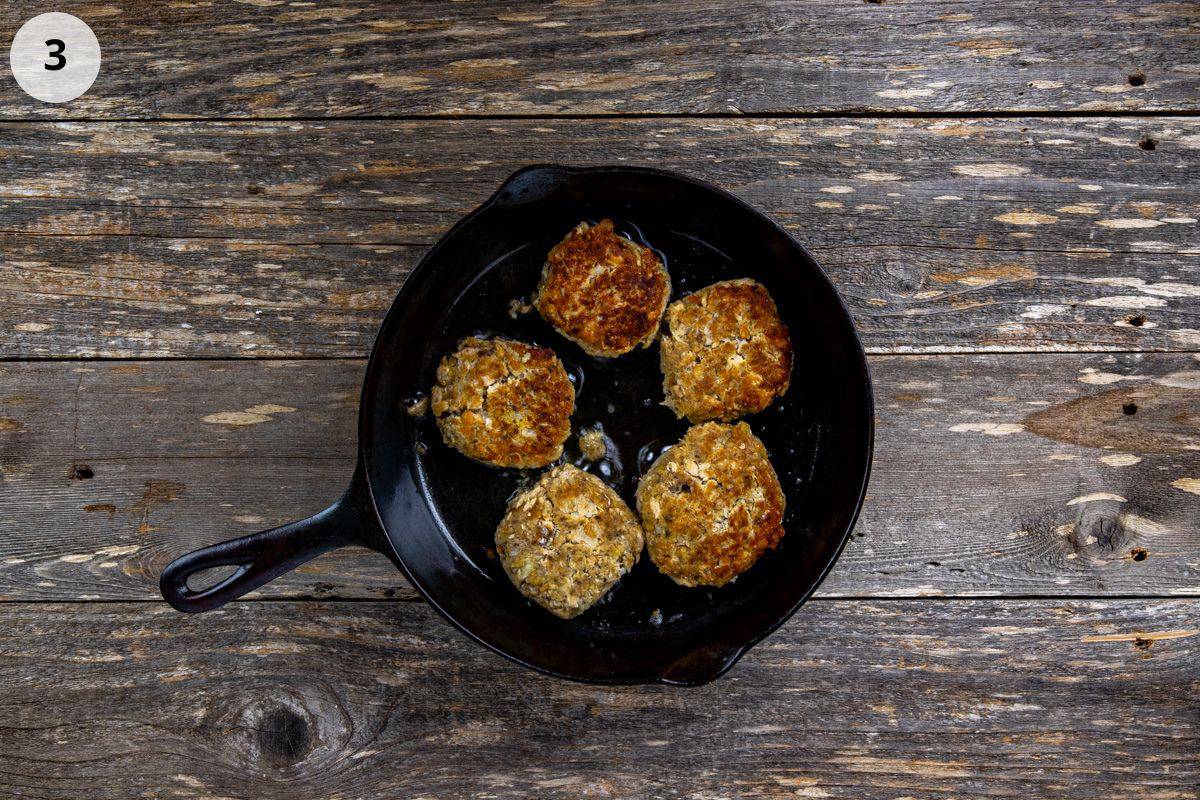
column 602, row 291
column 725, row 352
column 711, row 505
column 504, row 402
column 567, row 539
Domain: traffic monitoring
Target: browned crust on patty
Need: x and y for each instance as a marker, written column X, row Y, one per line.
column 566, row 540
column 725, row 352
column 504, row 402
column 711, row 505
column 602, row 291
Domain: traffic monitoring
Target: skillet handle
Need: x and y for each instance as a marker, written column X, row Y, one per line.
column 262, row 557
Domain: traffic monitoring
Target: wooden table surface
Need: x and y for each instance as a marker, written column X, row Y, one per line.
column 1005, row 193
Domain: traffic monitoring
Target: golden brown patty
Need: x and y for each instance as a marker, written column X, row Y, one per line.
column 602, row 291
column 504, row 402
column 725, row 352
column 711, row 505
column 566, row 540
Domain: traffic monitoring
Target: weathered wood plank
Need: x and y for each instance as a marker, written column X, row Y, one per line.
column 365, row 57
column 291, row 239
column 862, row 700
column 994, row 475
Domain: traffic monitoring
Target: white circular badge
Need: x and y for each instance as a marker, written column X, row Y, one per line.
column 55, row 57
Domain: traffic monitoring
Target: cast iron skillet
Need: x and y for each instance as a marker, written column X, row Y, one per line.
column 434, row 512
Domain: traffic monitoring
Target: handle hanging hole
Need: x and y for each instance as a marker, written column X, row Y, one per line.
column 208, row 578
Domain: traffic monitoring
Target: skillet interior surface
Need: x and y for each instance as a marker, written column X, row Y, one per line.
column 440, row 509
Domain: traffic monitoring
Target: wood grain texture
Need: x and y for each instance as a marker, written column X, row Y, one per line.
column 861, row 700
column 998, row 478
column 203, row 239
column 366, row 57
column 994, row 475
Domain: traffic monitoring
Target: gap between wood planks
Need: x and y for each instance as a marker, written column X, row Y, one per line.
column 841, row 598
column 800, row 115
column 318, row 357
column 427, row 245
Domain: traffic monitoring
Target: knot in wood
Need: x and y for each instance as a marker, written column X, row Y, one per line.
column 281, row 731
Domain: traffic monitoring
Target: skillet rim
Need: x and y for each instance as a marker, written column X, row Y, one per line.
column 366, row 404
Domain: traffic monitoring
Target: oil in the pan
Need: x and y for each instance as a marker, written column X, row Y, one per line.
column 575, row 375
column 416, row 405
column 522, row 479
column 634, row 234
column 650, row 452
column 599, row 455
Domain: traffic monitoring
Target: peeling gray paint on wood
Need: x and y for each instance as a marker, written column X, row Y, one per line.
column 849, row 699
column 994, row 475
column 290, row 239
column 364, row 57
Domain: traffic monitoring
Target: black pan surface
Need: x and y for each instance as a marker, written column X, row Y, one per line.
column 440, row 510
